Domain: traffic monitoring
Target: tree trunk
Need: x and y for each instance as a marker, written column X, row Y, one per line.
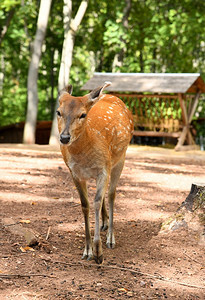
column 6, row 25
column 70, row 28
column 2, row 71
column 191, row 213
column 119, row 57
column 32, row 108
column 52, row 83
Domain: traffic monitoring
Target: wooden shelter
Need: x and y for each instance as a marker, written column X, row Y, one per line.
column 163, row 104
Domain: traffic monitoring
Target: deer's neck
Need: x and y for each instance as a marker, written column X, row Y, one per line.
column 82, row 143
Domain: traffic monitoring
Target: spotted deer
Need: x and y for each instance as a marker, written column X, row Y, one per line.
column 95, row 131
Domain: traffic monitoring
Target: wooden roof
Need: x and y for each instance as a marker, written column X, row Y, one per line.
column 148, row 82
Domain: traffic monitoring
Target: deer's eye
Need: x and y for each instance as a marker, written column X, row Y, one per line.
column 83, row 116
column 58, row 113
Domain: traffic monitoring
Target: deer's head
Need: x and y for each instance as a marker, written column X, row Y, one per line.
column 72, row 112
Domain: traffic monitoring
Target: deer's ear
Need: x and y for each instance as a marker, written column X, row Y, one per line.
column 94, row 96
column 67, row 89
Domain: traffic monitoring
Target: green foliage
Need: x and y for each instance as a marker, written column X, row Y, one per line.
column 13, row 108
column 162, row 36
column 14, row 58
column 8, row 4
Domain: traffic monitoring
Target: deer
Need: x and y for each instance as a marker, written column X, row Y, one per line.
column 94, row 131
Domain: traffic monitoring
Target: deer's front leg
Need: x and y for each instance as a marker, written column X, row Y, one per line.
column 82, row 190
column 102, row 182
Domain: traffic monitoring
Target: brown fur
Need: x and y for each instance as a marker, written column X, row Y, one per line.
column 96, row 149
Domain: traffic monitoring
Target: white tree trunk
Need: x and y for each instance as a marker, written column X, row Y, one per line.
column 70, row 28
column 32, row 108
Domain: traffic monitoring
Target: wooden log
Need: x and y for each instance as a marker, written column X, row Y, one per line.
column 190, row 214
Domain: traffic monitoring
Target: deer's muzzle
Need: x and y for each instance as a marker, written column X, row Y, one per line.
column 65, row 138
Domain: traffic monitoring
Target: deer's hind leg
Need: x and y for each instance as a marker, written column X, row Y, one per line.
column 104, row 225
column 114, row 178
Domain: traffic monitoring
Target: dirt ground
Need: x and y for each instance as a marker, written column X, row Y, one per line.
column 36, row 190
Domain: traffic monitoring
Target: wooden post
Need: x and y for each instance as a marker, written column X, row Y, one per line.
column 194, row 106
column 183, row 135
column 187, row 115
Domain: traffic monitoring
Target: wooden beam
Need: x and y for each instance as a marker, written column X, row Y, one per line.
column 184, row 110
column 183, row 135
column 186, row 117
column 194, row 106
column 144, row 95
column 190, row 138
column 182, row 138
column 157, row 134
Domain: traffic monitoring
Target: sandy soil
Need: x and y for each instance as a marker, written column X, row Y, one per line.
column 35, row 185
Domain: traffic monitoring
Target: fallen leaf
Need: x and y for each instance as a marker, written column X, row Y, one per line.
column 25, row 221
column 22, row 249
column 27, row 248
column 122, row 290
column 33, row 203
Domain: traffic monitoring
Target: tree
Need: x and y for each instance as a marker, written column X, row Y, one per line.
column 32, row 89
column 118, row 59
column 162, row 36
column 7, row 23
column 71, row 26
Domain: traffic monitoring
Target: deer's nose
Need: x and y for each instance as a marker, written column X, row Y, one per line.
column 65, row 138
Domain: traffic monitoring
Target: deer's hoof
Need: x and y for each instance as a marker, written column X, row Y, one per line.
column 88, row 253
column 87, row 257
column 110, row 240
column 99, row 259
column 110, row 245
column 103, row 228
